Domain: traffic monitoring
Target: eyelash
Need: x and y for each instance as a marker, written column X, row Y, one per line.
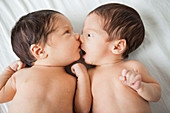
column 67, row 32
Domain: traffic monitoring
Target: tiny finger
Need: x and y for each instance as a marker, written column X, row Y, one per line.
column 122, row 78
column 124, row 72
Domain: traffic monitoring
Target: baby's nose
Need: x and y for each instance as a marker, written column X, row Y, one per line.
column 77, row 36
column 81, row 39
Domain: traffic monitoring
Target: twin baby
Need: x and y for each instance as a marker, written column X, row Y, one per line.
column 45, row 42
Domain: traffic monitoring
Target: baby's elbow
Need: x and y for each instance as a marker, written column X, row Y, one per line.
column 158, row 95
column 156, row 99
column 80, row 109
column 85, row 109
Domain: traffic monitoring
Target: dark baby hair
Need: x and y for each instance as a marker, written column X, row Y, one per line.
column 32, row 28
column 122, row 22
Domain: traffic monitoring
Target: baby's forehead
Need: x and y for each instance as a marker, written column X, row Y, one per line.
column 61, row 18
column 93, row 21
column 94, row 16
column 61, row 22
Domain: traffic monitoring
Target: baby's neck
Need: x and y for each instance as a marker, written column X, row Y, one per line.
column 49, row 67
column 111, row 63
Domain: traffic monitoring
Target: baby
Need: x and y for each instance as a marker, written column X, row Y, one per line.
column 44, row 41
column 110, row 33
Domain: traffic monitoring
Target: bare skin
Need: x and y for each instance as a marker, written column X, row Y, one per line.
column 41, row 90
column 110, row 95
column 46, row 87
column 117, row 85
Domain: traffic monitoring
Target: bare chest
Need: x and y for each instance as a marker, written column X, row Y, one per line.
column 110, row 93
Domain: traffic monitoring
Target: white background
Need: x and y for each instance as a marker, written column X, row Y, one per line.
column 154, row 53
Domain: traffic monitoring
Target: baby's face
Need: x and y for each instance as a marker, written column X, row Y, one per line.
column 94, row 40
column 63, row 44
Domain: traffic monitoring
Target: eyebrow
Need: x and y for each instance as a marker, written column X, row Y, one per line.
column 68, row 27
column 61, row 28
column 89, row 29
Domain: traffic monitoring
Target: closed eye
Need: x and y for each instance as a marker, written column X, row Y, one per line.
column 66, row 32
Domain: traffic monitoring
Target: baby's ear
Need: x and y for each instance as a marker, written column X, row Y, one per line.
column 119, row 46
column 38, row 51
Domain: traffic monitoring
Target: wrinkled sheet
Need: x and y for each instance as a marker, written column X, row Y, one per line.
column 154, row 53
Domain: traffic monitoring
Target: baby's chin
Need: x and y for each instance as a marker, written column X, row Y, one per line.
column 76, row 58
column 89, row 62
column 71, row 61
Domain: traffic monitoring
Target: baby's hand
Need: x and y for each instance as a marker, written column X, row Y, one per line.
column 131, row 78
column 79, row 69
column 17, row 65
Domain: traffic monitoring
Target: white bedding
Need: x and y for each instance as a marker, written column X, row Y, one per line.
column 154, row 52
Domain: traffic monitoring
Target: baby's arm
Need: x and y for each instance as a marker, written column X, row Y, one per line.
column 142, row 82
column 7, row 89
column 83, row 93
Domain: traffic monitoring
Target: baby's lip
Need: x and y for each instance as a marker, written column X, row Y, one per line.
column 83, row 51
column 79, row 46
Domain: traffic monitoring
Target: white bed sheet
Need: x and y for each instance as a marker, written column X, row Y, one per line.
column 154, row 52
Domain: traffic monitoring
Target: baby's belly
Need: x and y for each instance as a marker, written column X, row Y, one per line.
column 117, row 98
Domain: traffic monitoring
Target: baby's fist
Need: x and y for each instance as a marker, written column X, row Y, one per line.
column 17, row 65
column 131, row 78
column 79, row 69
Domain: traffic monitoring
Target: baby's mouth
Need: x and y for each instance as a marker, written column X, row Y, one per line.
column 83, row 53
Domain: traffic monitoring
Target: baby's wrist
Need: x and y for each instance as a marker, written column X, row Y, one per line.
column 82, row 74
column 141, row 88
column 83, row 78
column 9, row 68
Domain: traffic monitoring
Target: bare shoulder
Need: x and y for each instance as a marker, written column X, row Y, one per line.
column 21, row 72
column 18, row 77
column 136, row 66
column 141, row 69
column 25, row 74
